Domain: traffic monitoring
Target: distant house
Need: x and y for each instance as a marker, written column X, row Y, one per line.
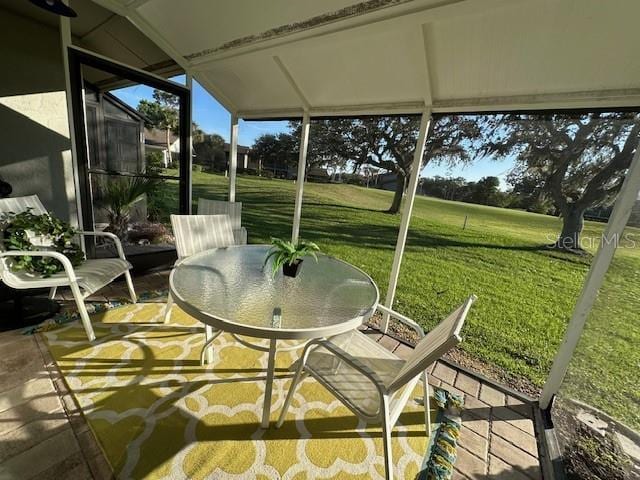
column 244, row 159
column 386, row 181
column 318, row 174
column 155, row 140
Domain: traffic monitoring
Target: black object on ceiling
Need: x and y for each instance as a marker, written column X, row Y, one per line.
column 5, row 189
column 55, row 6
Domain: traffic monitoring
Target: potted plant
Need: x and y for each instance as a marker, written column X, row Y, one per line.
column 18, row 229
column 289, row 256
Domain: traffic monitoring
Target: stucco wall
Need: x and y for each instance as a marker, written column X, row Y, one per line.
column 35, row 150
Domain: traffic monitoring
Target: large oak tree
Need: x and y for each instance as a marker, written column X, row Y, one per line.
column 578, row 160
column 388, row 143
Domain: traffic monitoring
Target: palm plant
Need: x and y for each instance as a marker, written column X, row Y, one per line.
column 118, row 198
column 288, row 255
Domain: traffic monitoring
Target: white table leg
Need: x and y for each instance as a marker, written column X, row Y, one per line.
column 207, row 348
column 271, row 364
column 208, row 333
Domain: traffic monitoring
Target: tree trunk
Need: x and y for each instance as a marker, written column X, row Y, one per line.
column 169, row 158
column 572, row 224
column 397, row 197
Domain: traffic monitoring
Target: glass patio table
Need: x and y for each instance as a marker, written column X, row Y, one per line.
column 232, row 290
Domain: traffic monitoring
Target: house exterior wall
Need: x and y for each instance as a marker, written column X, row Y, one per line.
column 35, row 148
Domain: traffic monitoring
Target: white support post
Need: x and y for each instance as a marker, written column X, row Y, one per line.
column 66, row 41
column 302, row 167
column 595, row 278
column 406, row 214
column 189, row 78
column 233, row 157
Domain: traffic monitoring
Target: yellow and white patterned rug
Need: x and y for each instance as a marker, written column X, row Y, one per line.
column 158, row 414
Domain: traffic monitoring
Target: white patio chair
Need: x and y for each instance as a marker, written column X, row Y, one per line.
column 83, row 280
column 233, row 209
column 371, row 381
column 195, row 234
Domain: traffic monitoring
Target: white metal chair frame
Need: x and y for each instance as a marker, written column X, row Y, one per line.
column 69, row 279
column 394, row 396
column 184, row 249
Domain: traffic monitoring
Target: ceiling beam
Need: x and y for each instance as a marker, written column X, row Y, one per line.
column 428, row 79
column 134, row 4
column 149, row 30
column 622, row 98
column 424, row 8
column 292, row 82
column 618, row 98
column 129, row 67
column 336, row 111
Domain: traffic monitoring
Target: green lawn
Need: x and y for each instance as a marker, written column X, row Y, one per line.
column 526, row 293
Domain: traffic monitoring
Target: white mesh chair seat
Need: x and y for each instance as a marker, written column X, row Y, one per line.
column 232, row 209
column 370, row 380
column 95, row 274
column 91, row 275
column 83, row 280
column 357, row 391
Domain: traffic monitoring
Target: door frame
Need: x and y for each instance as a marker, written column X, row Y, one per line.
column 79, row 58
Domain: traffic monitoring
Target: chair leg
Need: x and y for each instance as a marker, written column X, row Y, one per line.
column 52, row 292
column 132, row 292
column 427, row 403
column 167, row 309
column 82, row 310
column 386, row 437
column 298, row 377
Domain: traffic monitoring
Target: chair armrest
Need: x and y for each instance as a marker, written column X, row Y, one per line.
column 240, row 236
column 352, row 361
column 66, row 263
column 402, row 319
column 110, row 236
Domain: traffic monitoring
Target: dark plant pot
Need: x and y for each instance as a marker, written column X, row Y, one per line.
column 292, row 269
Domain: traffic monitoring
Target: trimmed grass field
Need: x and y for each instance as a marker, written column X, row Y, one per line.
column 526, row 292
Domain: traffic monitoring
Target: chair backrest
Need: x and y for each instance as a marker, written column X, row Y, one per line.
column 21, row 204
column 196, row 233
column 436, row 343
column 217, row 207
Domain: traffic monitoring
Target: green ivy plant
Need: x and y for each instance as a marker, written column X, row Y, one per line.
column 18, row 227
column 285, row 252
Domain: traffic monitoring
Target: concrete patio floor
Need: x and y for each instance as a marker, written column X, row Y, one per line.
column 43, row 434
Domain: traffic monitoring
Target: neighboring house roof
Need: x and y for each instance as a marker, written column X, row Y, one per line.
column 156, row 136
column 317, row 172
column 124, row 106
column 241, row 148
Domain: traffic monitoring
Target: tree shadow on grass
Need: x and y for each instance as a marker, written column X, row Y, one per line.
column 267, row 214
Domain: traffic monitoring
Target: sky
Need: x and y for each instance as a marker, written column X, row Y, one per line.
column 214, row 118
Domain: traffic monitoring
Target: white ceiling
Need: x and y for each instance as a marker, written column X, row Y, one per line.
column 276, row 58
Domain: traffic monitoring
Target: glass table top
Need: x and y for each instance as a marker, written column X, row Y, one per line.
column 233, row 286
